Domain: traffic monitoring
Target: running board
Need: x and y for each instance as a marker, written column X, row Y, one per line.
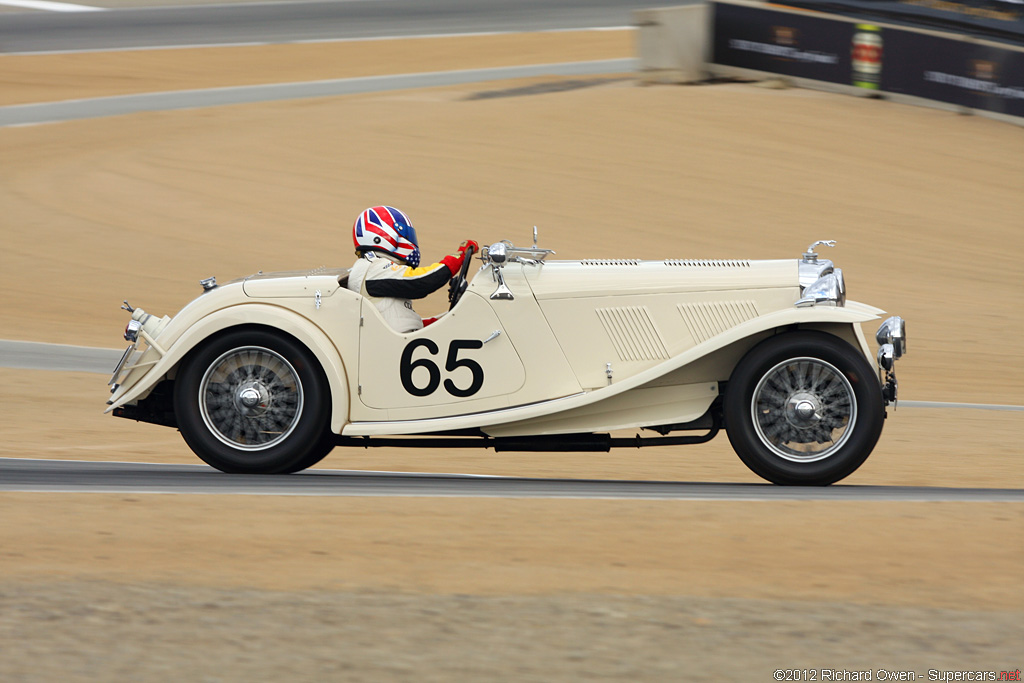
column 558, row 443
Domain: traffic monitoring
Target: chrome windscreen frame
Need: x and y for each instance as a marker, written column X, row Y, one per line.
column 499, row 254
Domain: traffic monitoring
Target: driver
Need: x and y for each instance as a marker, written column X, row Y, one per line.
column 388, row 271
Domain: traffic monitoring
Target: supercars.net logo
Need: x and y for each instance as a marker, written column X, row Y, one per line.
column 893, row 675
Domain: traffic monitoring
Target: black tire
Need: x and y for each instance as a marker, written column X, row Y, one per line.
column 320, row 451
column 253, row 401
column 803, row 408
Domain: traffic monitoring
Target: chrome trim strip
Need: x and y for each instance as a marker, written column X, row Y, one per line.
column 121, row 363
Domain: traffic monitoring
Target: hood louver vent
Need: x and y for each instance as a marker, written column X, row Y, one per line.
column 633, row 333
column 704, row 263
column 706, row 320
column 611, row 262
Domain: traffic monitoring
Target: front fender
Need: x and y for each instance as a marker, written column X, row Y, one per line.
column 266, row 315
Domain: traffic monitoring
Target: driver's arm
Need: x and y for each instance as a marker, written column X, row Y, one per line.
column 416, row 283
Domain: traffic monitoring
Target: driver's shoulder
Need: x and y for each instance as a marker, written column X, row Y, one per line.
column 409, row 271
column 383, row 268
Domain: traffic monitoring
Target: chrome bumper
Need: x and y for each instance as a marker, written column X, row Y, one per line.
column 892, row 340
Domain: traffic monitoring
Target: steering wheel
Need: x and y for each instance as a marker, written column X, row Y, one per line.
column 458, row 284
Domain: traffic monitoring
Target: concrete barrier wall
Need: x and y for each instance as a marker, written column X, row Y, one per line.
column 674, row 43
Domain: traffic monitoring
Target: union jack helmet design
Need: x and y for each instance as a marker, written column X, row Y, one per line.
column 385, row 228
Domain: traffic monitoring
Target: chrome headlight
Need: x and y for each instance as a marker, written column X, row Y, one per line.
column 829, row 289
column 131, row 332
column 893, row 331
column 886, row 356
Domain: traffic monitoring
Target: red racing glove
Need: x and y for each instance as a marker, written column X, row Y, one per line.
column 454, row 261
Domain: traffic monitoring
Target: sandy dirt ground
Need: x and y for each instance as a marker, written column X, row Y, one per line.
column 928, row 209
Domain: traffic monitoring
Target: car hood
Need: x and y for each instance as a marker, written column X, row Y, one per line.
column 603, row 277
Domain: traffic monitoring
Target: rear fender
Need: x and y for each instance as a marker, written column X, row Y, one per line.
column 263, row 315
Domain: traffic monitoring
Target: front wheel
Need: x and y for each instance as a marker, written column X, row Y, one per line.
column 254, row 402
column 803, row 408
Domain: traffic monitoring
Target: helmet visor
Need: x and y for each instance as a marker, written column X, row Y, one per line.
column 409, row 233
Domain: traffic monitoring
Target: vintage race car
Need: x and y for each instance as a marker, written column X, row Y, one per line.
column 268, row 373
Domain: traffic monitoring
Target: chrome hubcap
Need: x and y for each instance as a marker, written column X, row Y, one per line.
column 250, row 398
column 804, row 409
column 253, row 399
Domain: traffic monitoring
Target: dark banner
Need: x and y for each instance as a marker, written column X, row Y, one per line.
column 864, row 55
column 790, row 44
column 954, row 71
column 1001, row 20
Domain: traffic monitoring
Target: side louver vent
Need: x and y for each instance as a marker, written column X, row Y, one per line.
column 611, row 262
column 705, row 320
column 633, row 333
column 703, row 263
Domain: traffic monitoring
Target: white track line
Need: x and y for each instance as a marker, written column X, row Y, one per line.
column 51, row 6
column 969, row 406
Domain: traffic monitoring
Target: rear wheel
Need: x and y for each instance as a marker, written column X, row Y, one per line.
column 803, row 408
column 253, row 401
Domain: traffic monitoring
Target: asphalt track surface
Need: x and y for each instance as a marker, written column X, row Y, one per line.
column 23, row 355
column 114, row 477
column 281, row 22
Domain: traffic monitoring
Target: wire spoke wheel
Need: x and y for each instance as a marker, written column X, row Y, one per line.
column 254, row 401
column 250, row 398
column 803, row 409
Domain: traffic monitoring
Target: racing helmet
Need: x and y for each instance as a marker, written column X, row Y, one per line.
column 386, row 229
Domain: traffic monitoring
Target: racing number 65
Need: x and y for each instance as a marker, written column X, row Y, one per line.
column 453, row 362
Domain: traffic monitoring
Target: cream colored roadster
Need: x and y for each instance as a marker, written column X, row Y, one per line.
column 267, row 374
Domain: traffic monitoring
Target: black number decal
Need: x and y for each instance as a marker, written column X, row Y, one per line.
column 453, row 362
column 408, row 365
